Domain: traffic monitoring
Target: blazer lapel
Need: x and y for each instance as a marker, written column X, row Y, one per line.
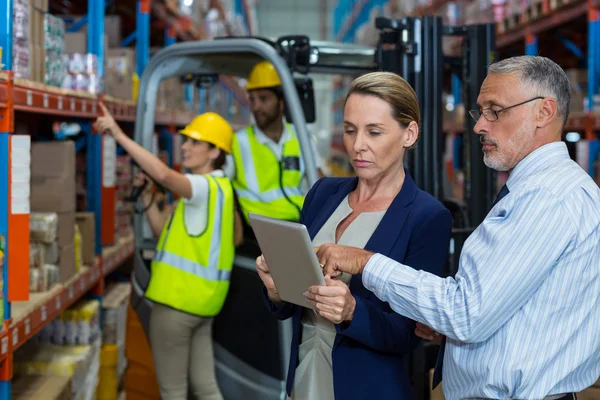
column 383, row 239
column 330, row 206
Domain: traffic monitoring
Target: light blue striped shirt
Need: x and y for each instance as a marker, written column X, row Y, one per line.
column 522, row 315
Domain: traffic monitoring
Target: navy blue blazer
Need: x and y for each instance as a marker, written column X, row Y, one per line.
column 367, row 355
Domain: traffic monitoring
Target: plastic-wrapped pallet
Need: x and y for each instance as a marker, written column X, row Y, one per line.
column 91, row 379
column 114, row 308
column 43, row 226
column 78, row 325
column 76, row 362
column 114, row 320
column 54, row 43
column 20, row 65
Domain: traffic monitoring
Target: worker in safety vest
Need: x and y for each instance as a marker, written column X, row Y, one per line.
column 266, row 165
column 190, row 273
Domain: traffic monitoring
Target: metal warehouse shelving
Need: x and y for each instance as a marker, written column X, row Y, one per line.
column 26, row 313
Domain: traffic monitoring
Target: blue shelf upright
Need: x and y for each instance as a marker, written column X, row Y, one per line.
column 94, row 139
column 143, row 35
column 6, row 34
column 531, row 44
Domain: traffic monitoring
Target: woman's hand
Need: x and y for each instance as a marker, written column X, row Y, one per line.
column 333, row 302
column 425, row 332
column 265, row 276
column 141, row 179
column 106, row 123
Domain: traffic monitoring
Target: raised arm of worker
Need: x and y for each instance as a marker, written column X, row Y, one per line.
column 152, row 165
column 502, row 265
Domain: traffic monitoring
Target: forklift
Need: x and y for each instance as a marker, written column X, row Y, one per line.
column 252, row 347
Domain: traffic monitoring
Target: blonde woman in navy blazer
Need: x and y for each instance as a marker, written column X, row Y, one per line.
column 381, row 118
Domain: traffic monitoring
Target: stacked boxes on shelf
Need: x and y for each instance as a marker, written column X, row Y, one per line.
column 45, row 387
column 82, row 73
column 43, row 251
column 21, row 39
column 124, row 208
column 54, row 45
column 114, row 321
column 578, row 79
column 82, row 67
column 68, row 347
column 86, row 223
column 37, row 12
column 78, row 325
column 119, row 73
column 171, row 95
column 53, row 191
column 579, row 93
column 77, row 363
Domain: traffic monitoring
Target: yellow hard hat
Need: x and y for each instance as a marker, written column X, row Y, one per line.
column 263, row 75
column 212, row 128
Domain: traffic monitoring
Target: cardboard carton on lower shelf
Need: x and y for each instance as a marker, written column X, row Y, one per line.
column 53, row 176
column 86, row 224
column 41, row 387
column 66, row 263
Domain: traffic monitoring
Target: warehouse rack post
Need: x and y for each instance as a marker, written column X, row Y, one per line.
column 6, row 128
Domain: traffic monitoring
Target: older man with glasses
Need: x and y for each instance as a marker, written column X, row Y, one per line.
column 521, row 318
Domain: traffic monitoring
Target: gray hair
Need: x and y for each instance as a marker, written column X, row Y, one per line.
column 542, row 75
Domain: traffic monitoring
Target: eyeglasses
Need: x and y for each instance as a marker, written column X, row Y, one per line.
column 492, row 115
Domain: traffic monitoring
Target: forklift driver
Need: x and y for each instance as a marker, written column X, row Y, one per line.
column 266, row 164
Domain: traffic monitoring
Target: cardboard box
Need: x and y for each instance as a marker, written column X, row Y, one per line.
column 112, row 27
column 66, row 229
column 41, row 5
column 592, row 393
column 87, row 227
column 118, row 74
column 66, row 263
column 75, row 42
column 41, row 387
column 53, row 176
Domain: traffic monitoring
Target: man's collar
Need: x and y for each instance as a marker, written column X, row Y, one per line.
column 538, row 160
column 264, row 139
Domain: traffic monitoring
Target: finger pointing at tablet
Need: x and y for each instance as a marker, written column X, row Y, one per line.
column 337, row 259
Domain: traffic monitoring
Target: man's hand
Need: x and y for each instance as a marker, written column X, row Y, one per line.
column 333, row 302
column 265, row 276
column 106, row 123
column 425, row 332
column 336, row 259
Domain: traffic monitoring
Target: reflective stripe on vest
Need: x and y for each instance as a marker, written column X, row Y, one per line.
column 210, row 273
column 248, row 185
column 191, row 273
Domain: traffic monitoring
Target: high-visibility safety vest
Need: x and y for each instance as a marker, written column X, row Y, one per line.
column 191, row 273
column 264, row 184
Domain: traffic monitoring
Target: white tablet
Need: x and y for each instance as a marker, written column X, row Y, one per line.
column 290, row 255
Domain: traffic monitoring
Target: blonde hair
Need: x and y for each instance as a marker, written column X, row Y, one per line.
column 392, row 89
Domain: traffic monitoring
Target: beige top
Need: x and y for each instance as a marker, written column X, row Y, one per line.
column 314, row 376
